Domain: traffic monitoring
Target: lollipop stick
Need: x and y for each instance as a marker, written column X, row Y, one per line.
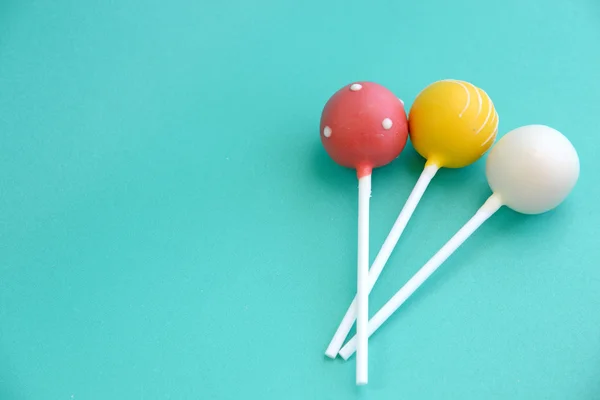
column 362, row 336
column 383, row 256
column 486, row 211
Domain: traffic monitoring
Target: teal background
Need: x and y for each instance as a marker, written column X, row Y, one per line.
column 171, row 228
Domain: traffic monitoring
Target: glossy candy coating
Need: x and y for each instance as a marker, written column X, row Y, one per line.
column 532, row 168
column 364, row 126
column 452, row 123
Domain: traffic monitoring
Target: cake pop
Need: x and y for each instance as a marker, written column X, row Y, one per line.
column 363, row 126
column 531, row 170
column 452, row 124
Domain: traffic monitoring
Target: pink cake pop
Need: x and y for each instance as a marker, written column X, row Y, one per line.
column 363, row 126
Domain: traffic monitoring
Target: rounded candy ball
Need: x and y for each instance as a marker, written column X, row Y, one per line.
column 363, row 126
column 452, row 123
column 533, row 168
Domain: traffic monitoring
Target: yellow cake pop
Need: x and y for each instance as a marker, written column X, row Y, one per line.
column 452, row 123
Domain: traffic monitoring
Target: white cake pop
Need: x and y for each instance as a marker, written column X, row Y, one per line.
column 531, row 169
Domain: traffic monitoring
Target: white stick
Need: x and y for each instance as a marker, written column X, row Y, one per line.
column 383, row 256
column 362, row 287
column 486, row 211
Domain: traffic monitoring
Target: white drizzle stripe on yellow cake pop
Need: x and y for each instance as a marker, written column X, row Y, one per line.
column 490, row 108
column 479, row 99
